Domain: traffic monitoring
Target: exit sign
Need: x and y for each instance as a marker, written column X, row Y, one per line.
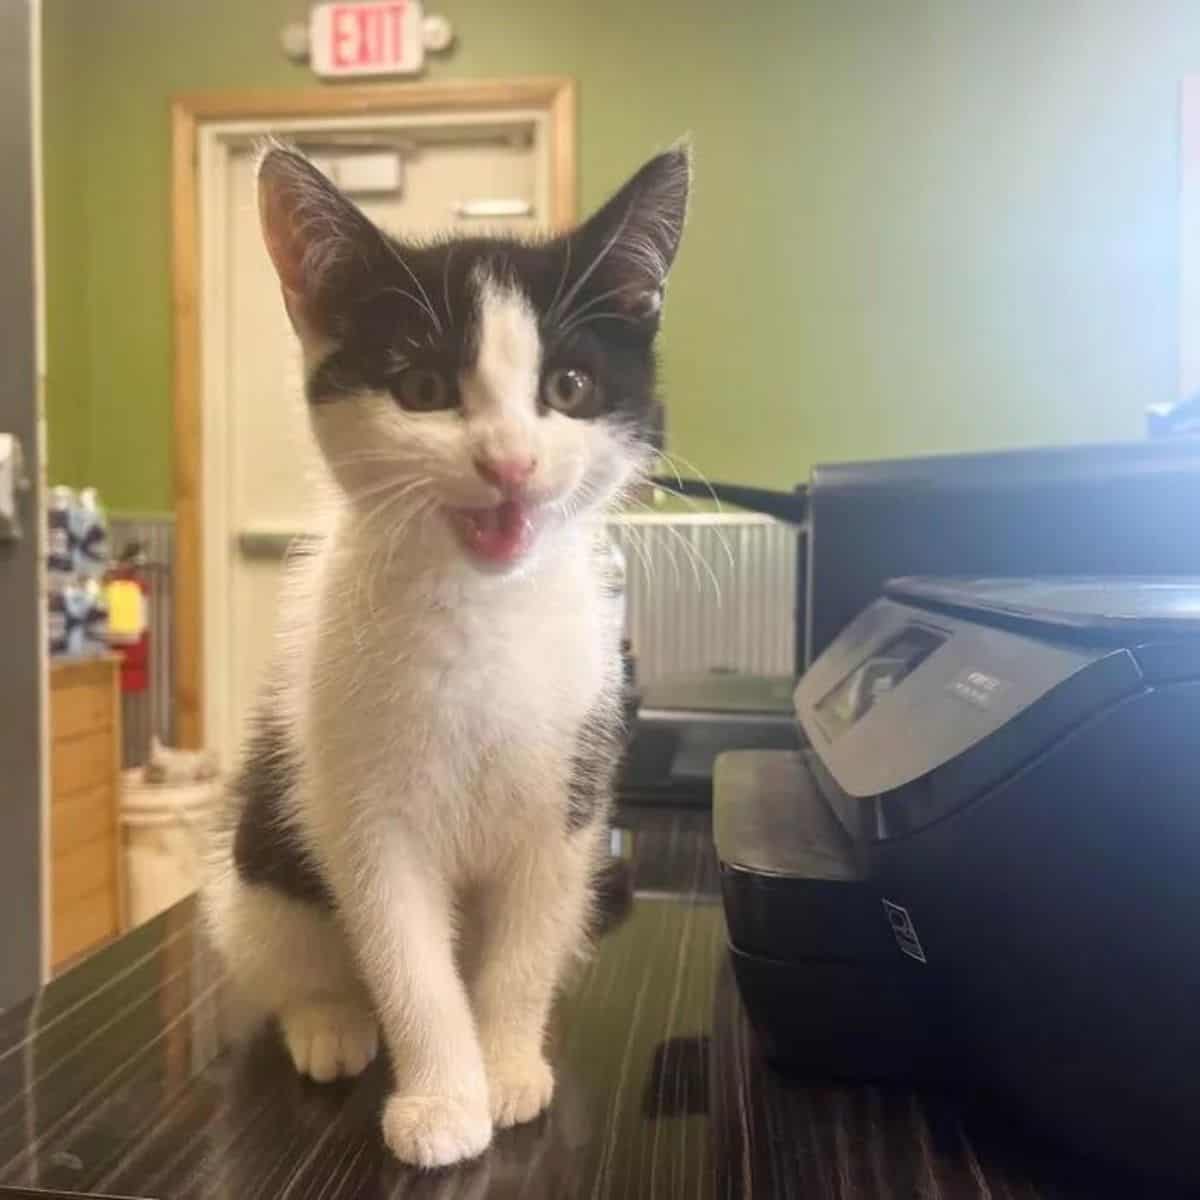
column 384, row 37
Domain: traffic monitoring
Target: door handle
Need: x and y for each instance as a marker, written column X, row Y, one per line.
column 491, row 209
column 270, row 543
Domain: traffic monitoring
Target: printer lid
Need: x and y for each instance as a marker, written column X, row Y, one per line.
column 1009, row 470
column 1106, row 610
column 958, row 682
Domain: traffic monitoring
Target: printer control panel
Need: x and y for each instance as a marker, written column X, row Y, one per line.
column 901, row 698
column 881, row 672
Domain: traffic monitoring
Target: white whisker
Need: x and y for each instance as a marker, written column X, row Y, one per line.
column 643, row 555
column 669, row 550
column 682, row 497
column 385, row 513
column 422, row 506
column 423, row 305
column 388, row 486
column 694, row 556
column 446, row 285
column 670, row 458
column 584, row 308
column 697, row 560
column 566, row 330
column 420, row 287
column 670, row 463
column 562, row 279
column 577, row 286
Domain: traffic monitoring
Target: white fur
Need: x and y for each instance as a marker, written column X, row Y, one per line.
column 505, row 377
column 437, row 709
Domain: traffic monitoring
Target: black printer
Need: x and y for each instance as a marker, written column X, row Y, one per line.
column 983, row 866
column 1123, row 509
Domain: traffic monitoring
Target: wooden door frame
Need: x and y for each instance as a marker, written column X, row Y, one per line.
column 553, row 95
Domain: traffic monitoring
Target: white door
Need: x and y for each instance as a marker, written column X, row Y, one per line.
column 468, row 173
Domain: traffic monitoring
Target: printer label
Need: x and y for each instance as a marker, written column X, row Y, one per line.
column 976, row 687
column 904, row 931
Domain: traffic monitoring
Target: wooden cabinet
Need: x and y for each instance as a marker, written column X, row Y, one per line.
column 85, row 780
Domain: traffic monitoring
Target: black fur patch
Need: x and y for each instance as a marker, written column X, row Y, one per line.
column 334, row 378
column 265, row 849
column 390, row 306
column 609, row 569
column 612, row 890
column 594, row 764
column 382, row 330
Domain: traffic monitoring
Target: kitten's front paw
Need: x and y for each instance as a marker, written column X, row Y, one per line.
column 328, row 1039
column 519, row 1088
column 435, row 1131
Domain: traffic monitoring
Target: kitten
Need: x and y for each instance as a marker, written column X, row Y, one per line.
column 420, row 815
column 167, row 765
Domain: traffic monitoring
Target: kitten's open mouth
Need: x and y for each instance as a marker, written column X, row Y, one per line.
column 496, row 536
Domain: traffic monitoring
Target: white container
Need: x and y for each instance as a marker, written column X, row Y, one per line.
column 163, row 832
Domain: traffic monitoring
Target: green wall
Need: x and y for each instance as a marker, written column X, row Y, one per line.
column 917, row 226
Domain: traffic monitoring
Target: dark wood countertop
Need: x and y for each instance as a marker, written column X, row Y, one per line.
column 116, row 1080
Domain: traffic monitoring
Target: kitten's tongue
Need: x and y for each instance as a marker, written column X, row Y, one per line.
column 497, row 535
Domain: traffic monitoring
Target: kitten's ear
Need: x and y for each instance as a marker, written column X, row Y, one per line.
column 637, row 232
column 317, row 239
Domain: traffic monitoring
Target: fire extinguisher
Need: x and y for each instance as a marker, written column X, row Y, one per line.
column 128, row 617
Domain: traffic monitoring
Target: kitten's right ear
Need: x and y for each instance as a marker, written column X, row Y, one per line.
column 315, row 236
column 636, row 234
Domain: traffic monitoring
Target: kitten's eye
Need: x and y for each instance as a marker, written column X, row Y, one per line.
column 572, row 392
column 420, row 389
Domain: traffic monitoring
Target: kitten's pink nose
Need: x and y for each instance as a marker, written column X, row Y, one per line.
column 507, row 474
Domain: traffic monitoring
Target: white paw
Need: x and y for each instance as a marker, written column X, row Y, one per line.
column 329, row 1039
column 435, row 1131
column 518, row 1089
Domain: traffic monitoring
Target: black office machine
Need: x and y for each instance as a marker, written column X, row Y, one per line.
column 985, row 864
column 1122, row 509
column 1128, row 509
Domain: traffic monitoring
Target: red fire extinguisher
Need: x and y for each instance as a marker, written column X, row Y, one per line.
column 129, row 624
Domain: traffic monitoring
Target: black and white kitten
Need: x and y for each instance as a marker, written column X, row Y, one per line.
column 422, row 805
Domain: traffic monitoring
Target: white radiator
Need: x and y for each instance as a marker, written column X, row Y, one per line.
column 709, row 592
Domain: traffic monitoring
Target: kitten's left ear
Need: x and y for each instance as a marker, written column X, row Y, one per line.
column 321, row 244
column 635, row 236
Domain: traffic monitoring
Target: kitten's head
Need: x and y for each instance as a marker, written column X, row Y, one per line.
column 488, row 388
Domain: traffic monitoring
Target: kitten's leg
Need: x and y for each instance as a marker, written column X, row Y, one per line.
column 329, row 1037
column 289, row 959
column 399, row 914
column 533, row 921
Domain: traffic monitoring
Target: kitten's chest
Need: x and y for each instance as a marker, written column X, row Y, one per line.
column 472, row 678
column 507, row 667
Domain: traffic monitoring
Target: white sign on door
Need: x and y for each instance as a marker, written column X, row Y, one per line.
column 367, row 38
